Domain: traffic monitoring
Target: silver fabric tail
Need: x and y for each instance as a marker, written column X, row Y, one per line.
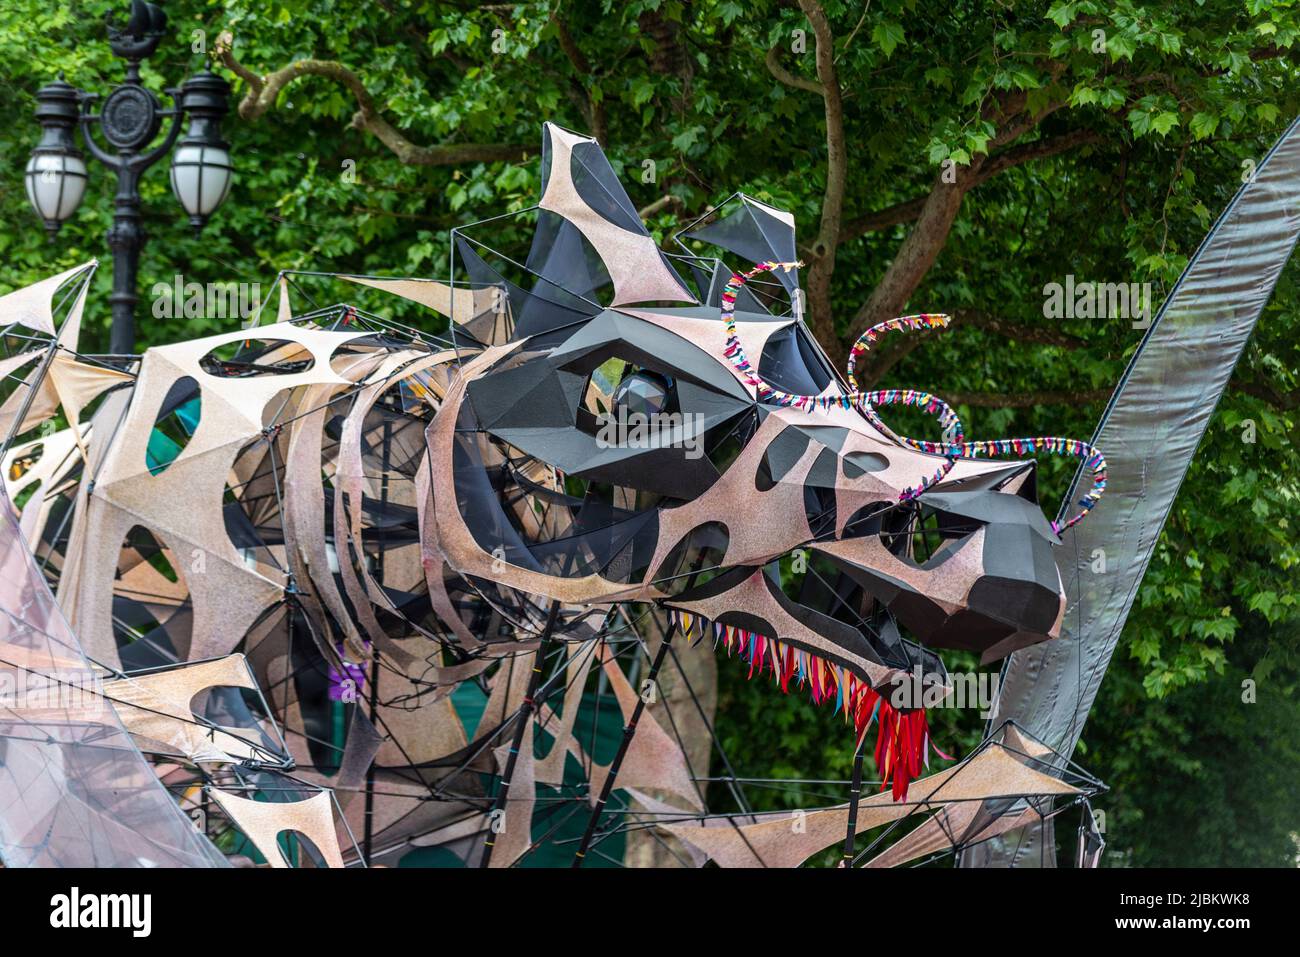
column 1149, row 432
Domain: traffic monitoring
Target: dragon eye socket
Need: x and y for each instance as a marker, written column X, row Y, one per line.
column 644, row 392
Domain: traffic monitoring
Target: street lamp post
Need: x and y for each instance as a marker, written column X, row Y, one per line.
column 130, row 119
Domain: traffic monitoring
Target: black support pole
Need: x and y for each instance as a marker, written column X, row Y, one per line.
column 524, row 716
column 368, row 836
column 125, row 238
column 855, row 795
column 17, row 428
column 628, row 733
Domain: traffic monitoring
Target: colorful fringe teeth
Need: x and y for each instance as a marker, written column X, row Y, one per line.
column 953, row 447
column 902, row 738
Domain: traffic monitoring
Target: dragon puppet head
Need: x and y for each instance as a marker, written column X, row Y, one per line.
column 697, row 449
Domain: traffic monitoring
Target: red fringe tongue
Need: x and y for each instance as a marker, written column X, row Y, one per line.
column 902, row 738
column 900, row 746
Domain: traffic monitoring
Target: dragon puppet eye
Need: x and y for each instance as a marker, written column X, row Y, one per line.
column 644, row 392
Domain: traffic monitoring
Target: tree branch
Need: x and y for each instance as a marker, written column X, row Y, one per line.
column 659, row 205
column 898, row 348
column 1025, row 400
column 669, row 54
column 903, row 212
column 264, row 89
column 785, row 76
column 908, row 210
column 580, row 63
column 1021, row 332
column 1039, row 149
column 1282, row 401
column 822, row 254
column 886, row 357
column 929, row 234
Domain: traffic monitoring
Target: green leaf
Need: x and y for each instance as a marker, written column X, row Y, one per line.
column 1120, row 47
column 730, row 11
column 1083, row 95
column 887, row 35
column 684, row 140
column 1203, row 125
column 939, row 76
column 643, row 91
column 1061, row 13
column 1162, row 123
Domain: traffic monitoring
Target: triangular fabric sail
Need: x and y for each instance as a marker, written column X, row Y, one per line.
column 33, row 306
column 481, row 311
column 70, row 331
column 580, row 186
column 561, row 256
column 284, row 312
column 544, row 309
column 757, row 232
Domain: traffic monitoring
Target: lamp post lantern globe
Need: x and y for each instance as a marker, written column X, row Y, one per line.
column 56, row 174
column 130, row 119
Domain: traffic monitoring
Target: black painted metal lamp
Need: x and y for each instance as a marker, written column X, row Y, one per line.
column 129, row 119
